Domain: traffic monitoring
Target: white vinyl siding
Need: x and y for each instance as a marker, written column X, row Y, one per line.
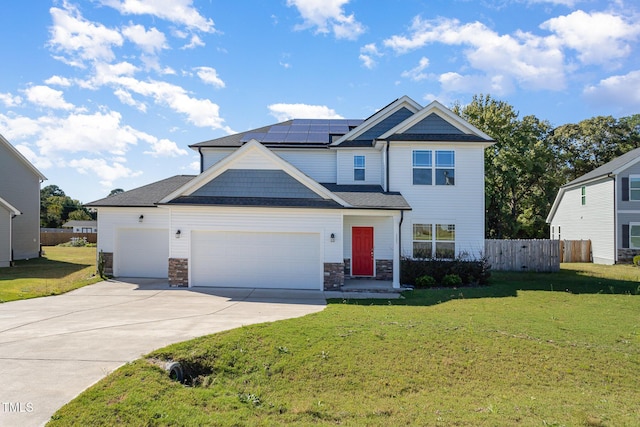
column 592, row 221
column 382, row 234
column 373, row 165
column 110, row 219
column 461, row 204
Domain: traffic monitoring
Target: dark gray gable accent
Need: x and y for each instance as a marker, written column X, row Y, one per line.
column 256, row 183
column 625, row 235
column 389, row 123
column 625, row 189
column 433, row 124
column 148, row 195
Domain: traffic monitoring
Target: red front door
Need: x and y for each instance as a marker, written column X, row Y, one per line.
column 362, row 251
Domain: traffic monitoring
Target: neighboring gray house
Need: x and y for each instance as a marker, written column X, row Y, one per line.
column 81, row 226
column 602, row 206
column 19, row 205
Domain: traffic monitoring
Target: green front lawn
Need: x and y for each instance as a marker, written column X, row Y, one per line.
column 530, row 350
column 60, row 270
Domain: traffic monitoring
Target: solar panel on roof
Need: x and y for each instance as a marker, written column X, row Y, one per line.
column 274, row 137
column 279, row 129
column 299, row 128
column 253, row 135
column 301, row 121
column 319, row 128
column 296, row 137
column 338, row 128
column 317, row 137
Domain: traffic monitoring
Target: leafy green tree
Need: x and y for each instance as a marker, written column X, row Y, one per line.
column 115, row 191
column 518, row 188
column 56, row 208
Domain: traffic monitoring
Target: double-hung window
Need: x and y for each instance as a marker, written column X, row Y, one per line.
column 425, row 174
column 358, row 168
column 583, row 195
column 634, row 188
column 422, row 167
column 434, row 241
column 634, row 235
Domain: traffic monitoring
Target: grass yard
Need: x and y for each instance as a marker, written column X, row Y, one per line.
column 62, row 269
column 530, row 350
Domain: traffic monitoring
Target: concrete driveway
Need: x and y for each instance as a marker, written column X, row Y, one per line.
column 53, row 348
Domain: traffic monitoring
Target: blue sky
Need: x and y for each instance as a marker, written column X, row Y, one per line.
column 104, row 94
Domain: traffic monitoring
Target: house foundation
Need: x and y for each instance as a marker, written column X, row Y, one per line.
column 625, row 256
column 384, row 269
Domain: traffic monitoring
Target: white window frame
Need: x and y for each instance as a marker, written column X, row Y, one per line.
column 435, row 241
column 428, row 166
column 357, row 167
column 631, row 189
column 631, row 226
column 583, row 195
column 452, row 166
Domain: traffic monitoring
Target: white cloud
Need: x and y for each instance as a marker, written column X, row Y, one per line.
column 368, row 53
column 10, row 100
column 176, row 11
column 416, row 74
column 328, row 16
column 79, row 39
column 165, row 148
column 534, row 62
column 283, row 112
column 598, row 37
column 568, row 3
column 210, row 76
column 126, row 98
column 454, row 82
column 193, row 43
column 44, row 96
column 58, row 81
column 108, row 173
column 621, row 91
column 151, row 41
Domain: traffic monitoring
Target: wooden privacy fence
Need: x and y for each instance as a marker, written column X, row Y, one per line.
column 575, row 251
column 523, row 255
column 52, row 239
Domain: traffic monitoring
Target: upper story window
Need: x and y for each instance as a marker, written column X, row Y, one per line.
column 358, row 168
column 422, row 167
column 423, row 170
column 583, row 195
column 634, row 187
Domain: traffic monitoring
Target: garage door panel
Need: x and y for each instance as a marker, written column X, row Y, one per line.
column 142, row 253
column 256, row 259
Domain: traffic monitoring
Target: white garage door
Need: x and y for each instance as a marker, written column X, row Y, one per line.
column 256, row 260
column 142, row 253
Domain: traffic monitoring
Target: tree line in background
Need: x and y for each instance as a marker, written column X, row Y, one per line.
column 56, row 208
column 531, row 160
column 523, row 170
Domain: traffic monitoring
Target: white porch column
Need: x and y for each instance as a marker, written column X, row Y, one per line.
column 396, row 251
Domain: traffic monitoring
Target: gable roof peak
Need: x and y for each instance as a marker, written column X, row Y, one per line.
column 22, row 158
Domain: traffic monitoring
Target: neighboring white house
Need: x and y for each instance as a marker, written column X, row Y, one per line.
column 77, row 226
column 307, row 202
column 19, row 206
column 602, row 206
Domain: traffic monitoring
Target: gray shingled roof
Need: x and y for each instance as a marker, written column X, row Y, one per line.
column 254, row 202
column 607, row 168
column 450, row 137
column 147, row 195
column 368, row 196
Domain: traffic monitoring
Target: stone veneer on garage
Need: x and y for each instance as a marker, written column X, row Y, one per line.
column 107, row 258
column 179, row 272
column 333, row 275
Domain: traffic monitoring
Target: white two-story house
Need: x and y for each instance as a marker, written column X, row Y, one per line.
column 306, row 203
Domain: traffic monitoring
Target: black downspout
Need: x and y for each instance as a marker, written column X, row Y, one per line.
column 201, row 160
column 388, row 187
column 400, row 246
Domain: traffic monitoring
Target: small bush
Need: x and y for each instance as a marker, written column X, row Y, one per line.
column 451, row 281
column 636, row 260
column 425, row 282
